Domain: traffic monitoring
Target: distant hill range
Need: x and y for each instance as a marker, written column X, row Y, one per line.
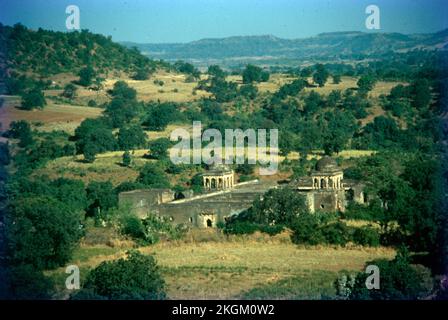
column 261, row 49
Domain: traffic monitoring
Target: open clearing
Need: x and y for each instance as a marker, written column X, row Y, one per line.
column 108, row 166
column 256, row 266
column 62, row 116
column 276, row 80
column 52, row 117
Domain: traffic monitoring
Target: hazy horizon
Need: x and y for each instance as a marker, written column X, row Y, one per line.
column 177, row 21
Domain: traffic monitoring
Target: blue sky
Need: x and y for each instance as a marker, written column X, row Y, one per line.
column 189, row 20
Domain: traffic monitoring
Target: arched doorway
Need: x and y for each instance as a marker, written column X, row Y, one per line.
column 322, row 184
column 350, row 194
column 209, row 223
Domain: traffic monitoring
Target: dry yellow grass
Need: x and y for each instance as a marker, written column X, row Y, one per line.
column 106, row 167
column 346, row 154
column 174, row 89
column 52, row 117
column 276, row 80
column 225, row 269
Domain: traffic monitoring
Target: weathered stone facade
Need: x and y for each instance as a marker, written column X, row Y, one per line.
column 200, row 211
column 142, row 200
column 326, row 190
column 223, row 199
column 219, row 177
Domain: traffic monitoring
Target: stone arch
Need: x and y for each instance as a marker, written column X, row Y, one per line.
column 316, row 183
column 330, row 183
column 350, row 194
column 322, row 183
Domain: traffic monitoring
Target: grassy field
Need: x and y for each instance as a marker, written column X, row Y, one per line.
column 276, row 80
column 256, row 267
column 52, row 117
column 108, row 166
column 62, row 115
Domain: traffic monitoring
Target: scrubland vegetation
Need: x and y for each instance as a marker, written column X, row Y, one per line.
column 86, row 123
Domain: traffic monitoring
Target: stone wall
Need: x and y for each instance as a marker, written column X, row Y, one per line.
column 201, row 211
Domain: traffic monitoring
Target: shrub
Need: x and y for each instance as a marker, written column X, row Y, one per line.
column 306, row 230
column 33, row 98
column 27, row 283
column 366, row 236
column 42, row 231
column 399, row 281
column 241, row 227
column 137, row 278
column 245, row 178
column 127, row 159
column 272, row 230
column 132, row 226
column 280, row 206
column 69, row 91
column 153, row 176
column 336, row 233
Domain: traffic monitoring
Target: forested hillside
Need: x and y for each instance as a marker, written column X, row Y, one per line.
column 42, row 53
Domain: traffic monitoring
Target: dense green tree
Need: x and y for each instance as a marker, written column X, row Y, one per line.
column 159, row 148
column 340, row 128
column 71, row 192
column 121, row 111
column 336, row 79
column 249, row 91
column 334, row 99
column 306, row 72
column 320, row 75
column 244, row 169
column 356, row 104
column 33, row 98
column 21, row 130
column 291, row 89
column 131, row 137
column 97, row 141
column 212, row 110
column 422, row 222
column 366, row 83
column 42, row 231
column 254, row 74
column 128, row 186
column 122, row 90
column 421, row 94
column 313, row 102
column 278, row 206
column 216, row 72
column 127, row 159
column 305, row 229
column 196, row 183
column 223, row 91
column 141, row 74
column 101, row 197
column 160, row 115
column 86, row 76
column 69, row 91
column 399, row 281
column 382, row 132
column 89, row 151
column 25, row 282
column 135, row 278
column 152, row 175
